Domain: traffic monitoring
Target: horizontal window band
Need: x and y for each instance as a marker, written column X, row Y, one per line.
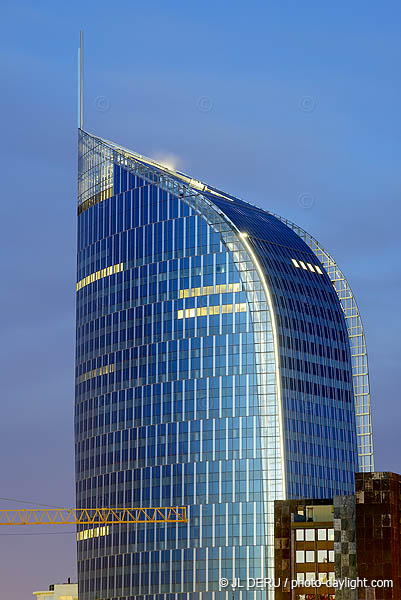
column 100, row 275
column 95, row 373
column 204, row 311
column 92, row 533
column 95, row 199
column 210, row 289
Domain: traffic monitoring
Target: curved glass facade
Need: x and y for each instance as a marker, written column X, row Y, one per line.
column 359, row 354
column 213, row 370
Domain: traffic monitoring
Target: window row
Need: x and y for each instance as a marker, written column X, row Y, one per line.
column 311, row 556
column 311, row 535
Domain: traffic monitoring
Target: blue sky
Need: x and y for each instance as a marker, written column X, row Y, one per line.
column 300, row 98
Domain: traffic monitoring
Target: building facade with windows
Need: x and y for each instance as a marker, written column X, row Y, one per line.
column 305, row 550
column 343, row 548
column 220, row 365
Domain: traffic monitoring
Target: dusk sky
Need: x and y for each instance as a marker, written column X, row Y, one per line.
column 292, row 106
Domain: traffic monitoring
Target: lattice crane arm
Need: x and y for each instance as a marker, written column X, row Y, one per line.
column 92, row 516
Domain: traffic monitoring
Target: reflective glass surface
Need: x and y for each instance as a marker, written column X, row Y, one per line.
column 189, row 392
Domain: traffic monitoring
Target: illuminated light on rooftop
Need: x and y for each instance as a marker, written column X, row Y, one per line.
column 165, row 163
column 167, row 160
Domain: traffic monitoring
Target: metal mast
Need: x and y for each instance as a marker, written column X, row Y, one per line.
column 81, row 83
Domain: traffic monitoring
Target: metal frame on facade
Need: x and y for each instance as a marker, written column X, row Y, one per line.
column 360, row 370
column 95, row 171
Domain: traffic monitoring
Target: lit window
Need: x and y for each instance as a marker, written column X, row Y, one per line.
column 300, row 556
column 322, row 556
column 207, row 290
column 309, row 556
column 240, row 307
column 322, row 534
column 310, row 267
column 309, row 535
column 300, row 577
column 309, row 576
column 96, row 373
column 300, row 535
column 99, row 275
column 323, row 577
column 234, row 287
column 331, row 556
column 202, row 311
column 330, row 534
column 91, row 533
column 227, row 308
column 303, row 265
column 319, row 270
column 295, row 263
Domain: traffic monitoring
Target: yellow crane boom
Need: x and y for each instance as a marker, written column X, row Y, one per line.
column 92, row 516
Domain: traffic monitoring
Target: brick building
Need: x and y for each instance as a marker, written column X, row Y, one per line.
column 354, row 539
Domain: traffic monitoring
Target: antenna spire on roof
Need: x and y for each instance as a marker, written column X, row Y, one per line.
column 81, row 83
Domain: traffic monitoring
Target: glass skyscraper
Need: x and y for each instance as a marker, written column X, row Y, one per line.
column 220, row 365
